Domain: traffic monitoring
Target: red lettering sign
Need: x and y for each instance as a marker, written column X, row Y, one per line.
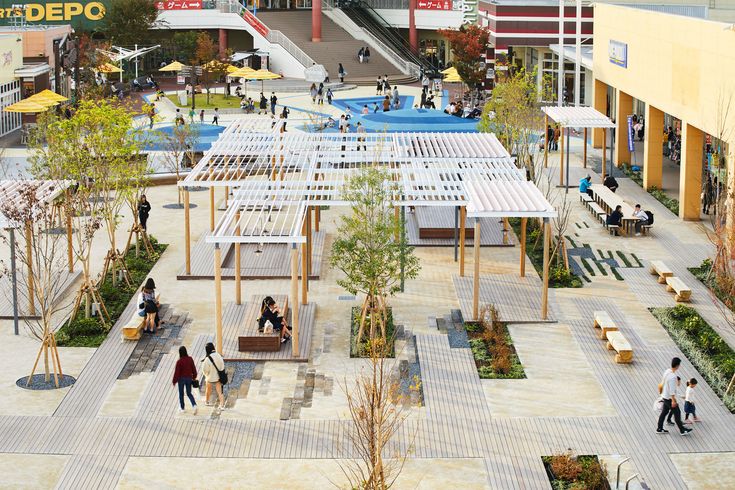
column 434, row 4
column 179, row 5
column 259, row 27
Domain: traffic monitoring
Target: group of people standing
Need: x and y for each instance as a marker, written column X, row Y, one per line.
column 363, row 55
column 317, row 94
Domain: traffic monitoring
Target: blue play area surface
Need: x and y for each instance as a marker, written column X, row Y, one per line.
column 357, row 103
column 207, row 134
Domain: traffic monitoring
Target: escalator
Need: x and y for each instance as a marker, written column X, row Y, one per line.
column 366, row 17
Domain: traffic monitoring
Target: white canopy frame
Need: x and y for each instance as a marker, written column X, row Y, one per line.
column 280, row 178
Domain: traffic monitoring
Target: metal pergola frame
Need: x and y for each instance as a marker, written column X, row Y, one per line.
column 279, row 178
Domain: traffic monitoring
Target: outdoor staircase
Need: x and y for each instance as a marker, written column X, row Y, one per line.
column 337, row 46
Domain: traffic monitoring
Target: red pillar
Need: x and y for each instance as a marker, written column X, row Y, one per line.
column 222, row 43
column 316, row 21
column 413, row 36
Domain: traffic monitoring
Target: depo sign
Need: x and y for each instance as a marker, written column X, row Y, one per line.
column 77, row 13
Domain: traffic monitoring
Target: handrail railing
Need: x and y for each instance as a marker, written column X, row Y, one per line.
column 277, row 37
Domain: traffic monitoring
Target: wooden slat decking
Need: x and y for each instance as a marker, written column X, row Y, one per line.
column 6, row 293
column 273, row 262
column 518, row 299
column 491, row 234
column 234, row 317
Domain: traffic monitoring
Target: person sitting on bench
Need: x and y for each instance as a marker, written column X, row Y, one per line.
column 269, row 312
column 611, row 183
column 584, row 185
column 615, row 217
column 642, row 219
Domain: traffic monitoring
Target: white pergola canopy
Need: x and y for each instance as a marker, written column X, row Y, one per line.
column 578, row 117
column 46, row 192
column 278, row 176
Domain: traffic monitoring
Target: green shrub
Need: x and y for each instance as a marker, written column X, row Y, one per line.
column 492, row 347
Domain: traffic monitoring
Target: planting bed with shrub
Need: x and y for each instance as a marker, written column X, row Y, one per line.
column 90, row 332
column 362, row 349
column 492, row 347
column 569, row 472
column 706, row 350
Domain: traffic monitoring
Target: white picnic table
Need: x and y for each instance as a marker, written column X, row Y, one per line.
column 609, row 201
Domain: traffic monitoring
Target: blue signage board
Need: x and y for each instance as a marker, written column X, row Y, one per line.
column 631, row 144
column 618, row 53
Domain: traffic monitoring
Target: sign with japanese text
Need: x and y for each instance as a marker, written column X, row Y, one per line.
column 179, row 5
column 434, row 5
column 618, row 53
column 631, row 144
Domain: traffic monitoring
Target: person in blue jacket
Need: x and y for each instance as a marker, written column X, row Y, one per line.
column 584, row 185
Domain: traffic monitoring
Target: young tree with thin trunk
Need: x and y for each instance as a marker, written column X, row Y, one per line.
column 205, row 57
column 42, row 274
column 377, row 413
column 178, row 147
column 369, row 249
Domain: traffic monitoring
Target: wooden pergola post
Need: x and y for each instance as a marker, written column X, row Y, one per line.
column 29, row 264
column 584, row 150
column 462, row 233
column 304, row 266
column 308, row 243
column 317, row 217
column 546, row 142
column 294, row 300
column 218, row 296
column 69, row 239
column 397, row 216
column 561, row 156
column 524, row 222
column 238, row 261
column 604, row 152
column 187, row 231
column 545, row 286
column 476, row 278
column 211, row 208
column 227, row 195
column 506, row 228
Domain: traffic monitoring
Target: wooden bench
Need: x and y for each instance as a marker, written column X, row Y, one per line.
column 254, row 341
column 134, row 328
column 613, row 229
column 658, row 268
column 597, row 210
column 616, row 341
column 646, row 229
column 683, row 292
column 604, row 323
column 585, row 199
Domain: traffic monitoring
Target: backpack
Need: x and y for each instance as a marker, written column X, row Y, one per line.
column 222, row 374
column 650, row 217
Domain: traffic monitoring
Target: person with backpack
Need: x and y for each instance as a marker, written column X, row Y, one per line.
column 185, row 376
column 641, row 219
column 213, row 368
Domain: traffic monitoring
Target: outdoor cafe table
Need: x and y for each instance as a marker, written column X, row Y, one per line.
column 608, row 200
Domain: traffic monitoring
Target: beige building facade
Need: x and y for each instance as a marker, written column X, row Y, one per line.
column 678, row 66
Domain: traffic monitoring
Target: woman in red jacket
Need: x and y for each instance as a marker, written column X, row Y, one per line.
column 184, row 375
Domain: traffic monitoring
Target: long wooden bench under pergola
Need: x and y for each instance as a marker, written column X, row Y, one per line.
column 281, row 180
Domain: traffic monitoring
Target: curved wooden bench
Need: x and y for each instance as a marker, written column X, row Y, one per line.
column 658, row 268
column 683, row 292
column 604, row 323
column 616, row 341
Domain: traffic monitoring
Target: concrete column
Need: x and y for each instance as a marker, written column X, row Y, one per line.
column 623, row 108
column 222, row 43
column 653, row 156
column 316, row 21
column 599, row 103
column 690, row 174
column 413, row 36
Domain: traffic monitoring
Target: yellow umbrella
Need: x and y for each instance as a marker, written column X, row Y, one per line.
column 232, row 68
column 448, row 70
column 243, row 72
column 452, row 76
column 40, row 100
column 26, row 106
column 108, row 68
column 50, row 95
column 175, row 66
column 263, row 74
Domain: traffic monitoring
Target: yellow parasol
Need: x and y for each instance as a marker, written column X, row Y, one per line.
column 243, row 72
column 449, row 70
column 175, row 66
column 231, row 69
column 108, row 68
column 49, row 95
column 26, row 106
column 261, row 75
column 451, row 76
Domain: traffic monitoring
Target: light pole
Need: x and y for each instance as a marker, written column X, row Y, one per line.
column 14, row 280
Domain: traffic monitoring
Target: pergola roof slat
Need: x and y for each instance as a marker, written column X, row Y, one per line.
column 578, row 117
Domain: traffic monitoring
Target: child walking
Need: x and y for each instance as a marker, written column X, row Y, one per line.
column 689, row 405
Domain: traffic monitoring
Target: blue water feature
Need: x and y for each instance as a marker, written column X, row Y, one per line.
column 416, row 120
column 355, row 104
column 207, row 134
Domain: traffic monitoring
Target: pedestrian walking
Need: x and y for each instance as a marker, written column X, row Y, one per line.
column 215, row 118
column 313, row 92
column 361, row 54
column 185, row 376
column 689, row 402
column 557, row 135
column 213, row 367
column 667, row 389
column 425, row 83
column 549, row 137
column 192, row 113
column 386, row 85
column 366, row 56
column 263, row 105
column 320, row 94
column 274, row 101
column 361, row 132
column 201, row 116
column 329, row 95
column 284, row 115
column 144, row 209
column 151, row 115
column 341, row 72
column 379, row 86
column 396, row 97
column 708, row 195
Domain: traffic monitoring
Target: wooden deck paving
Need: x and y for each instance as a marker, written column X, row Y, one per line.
column 273, row 262
column 491, row 234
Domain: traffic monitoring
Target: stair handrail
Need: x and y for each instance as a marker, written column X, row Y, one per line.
column 278, row 37
column 411, row 68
